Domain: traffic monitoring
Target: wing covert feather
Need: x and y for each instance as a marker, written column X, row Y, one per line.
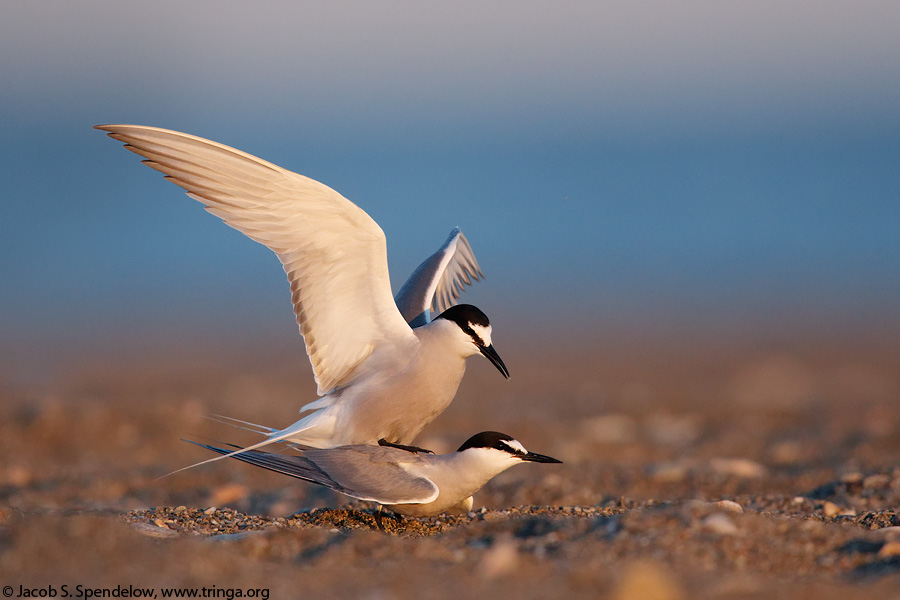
column 374, row 471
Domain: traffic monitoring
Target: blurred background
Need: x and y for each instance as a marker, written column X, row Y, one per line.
column 687, row 214
column 649, row 174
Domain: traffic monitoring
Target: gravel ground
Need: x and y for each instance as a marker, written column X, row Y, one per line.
column 756, row 473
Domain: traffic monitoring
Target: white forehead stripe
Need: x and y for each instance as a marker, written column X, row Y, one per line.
column 482, row 332
column 516, row 445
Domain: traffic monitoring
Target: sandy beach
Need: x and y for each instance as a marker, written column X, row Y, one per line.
column 751, row 472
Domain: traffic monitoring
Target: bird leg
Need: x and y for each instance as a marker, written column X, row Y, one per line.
column 379, row 515
column 378, row 520
column 413, row 449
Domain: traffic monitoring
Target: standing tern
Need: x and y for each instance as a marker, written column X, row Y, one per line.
column 414, row 484
column 383, row 368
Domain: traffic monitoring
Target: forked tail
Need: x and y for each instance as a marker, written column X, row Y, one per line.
column 274, row 435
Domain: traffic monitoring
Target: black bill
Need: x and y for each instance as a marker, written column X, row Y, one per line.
column 540, row 458
column 491, row 355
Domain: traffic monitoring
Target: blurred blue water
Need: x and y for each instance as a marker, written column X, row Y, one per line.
column 753, row 177
column 595, row 226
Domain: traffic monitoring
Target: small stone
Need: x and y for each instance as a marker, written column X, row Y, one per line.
column 153, row 531
column 892, row 533
column 719, row 523
column 739, row 467
column 876, row 481
column 728, row 505
column 19, row 475
column 812, row 525
column 786, row 452
column 229, row 493
column 610, row 429
column 502, row 558
column 832, row 510
column 671, row 430
column 889, row 549
column 798, row 500
column 160, row 523
column 493, row 516
column 210, row 511
column 644, row 579
column 669, row 472
column 851, row 478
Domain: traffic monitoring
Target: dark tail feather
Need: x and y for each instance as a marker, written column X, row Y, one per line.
column 292, row 465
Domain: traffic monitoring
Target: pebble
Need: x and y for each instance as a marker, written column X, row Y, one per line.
column 610, row 429
column 728, row 505
column 739, row 467
column 889, row 549
column 153, row 531
column 500, row 559
column 671, row 472
column 851, row 478
column 19, row 475
column 719, row 523
column 494, row 516
column 892, row 533
column 833, row 510
column 876, row 481
column 786, row 452
column 229, row 493
column 645, row 579
column 670, row 430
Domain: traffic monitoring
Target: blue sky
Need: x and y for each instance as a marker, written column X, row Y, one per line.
column 701, row 163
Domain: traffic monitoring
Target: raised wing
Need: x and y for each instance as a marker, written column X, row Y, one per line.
column 333, row 253
column 345, row 470
column 438, row 282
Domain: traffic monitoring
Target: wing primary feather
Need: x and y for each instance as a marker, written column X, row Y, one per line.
column 440, row 280
column 293, row 466
column 303, row 468
column 333, row 252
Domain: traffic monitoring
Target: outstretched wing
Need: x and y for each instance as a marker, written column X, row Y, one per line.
column 347, row 470
column 334, row 254
column 438, row 282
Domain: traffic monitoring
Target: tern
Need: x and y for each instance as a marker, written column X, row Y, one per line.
column 413, row 484
column 383, row 368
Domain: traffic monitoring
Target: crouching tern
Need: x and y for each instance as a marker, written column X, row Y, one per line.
column 415, row 484
column 383, row 368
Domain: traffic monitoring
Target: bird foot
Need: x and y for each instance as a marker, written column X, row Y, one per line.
column 413, row 449
column 379, row 516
